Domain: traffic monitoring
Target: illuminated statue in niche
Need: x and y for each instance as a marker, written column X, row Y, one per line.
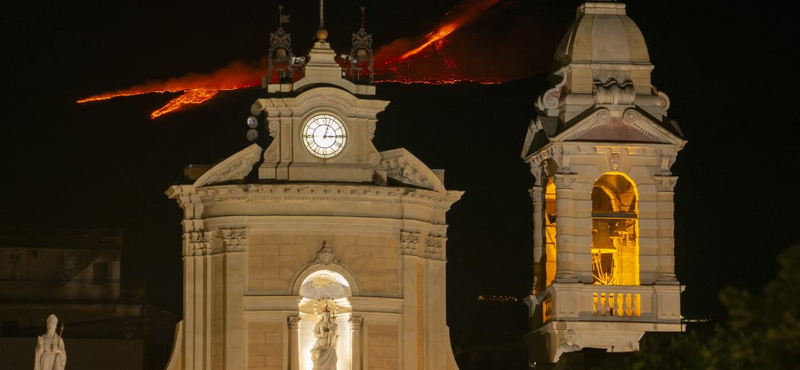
column 324, row 352
column 50, row 351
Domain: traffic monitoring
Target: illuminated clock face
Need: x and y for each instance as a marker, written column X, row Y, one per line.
column 324, row 136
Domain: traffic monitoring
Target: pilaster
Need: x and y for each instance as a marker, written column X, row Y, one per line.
column 234, row 244
column 294, row 353
column 666, row 225
column 537, row 197
column 565, row 234
column 355, row 326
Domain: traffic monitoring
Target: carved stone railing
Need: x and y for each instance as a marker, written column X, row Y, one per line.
column 604, row 303
column 617, row 304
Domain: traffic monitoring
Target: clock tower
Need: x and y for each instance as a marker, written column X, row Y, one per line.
column 322, row 126
column 600, row 151
column 318, row 252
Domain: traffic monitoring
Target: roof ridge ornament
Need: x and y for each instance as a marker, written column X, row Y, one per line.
column 280, row 51
column 361, row 56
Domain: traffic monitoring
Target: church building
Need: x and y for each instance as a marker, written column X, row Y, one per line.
column 600, row 151
column 319, row 251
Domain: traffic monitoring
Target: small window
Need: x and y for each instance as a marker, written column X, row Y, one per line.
column 100, row 274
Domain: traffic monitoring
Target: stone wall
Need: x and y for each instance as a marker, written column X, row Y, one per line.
column 265, row 345
column 382, row 347
column 273, row 260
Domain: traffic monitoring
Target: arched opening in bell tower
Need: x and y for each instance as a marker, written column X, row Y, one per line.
column 615, row 230
column 325, row 313
column 550, row 230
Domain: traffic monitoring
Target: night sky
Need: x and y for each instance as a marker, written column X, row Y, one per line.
column 729, row 70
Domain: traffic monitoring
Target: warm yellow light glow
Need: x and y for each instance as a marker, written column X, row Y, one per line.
column 550, row 231
column 306, row 338
column 325, row 282
column 615, row 230
column 547, row 309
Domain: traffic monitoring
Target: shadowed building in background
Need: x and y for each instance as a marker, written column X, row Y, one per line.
column 601, row 150
column 75, row 274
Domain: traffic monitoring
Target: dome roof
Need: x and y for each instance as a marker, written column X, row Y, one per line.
column 602, row 33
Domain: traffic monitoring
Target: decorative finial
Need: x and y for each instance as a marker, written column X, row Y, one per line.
column 280, row 51
column 322, row 33
column 361, row 57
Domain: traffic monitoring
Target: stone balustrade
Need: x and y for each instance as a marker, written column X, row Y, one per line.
column 617, row 304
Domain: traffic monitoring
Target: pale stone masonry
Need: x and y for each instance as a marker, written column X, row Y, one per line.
column 358, row 232
column 601, row 150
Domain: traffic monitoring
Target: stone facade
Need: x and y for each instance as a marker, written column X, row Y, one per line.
column 601, row 150
column 361, row 234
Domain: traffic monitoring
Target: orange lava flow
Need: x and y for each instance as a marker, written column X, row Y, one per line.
column 437, row 70
column 193, row 96
column 453, row 20
column 196, row 88
column 432, row 37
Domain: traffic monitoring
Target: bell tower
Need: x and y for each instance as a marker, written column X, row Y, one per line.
column 600, row 151
column 318, row 252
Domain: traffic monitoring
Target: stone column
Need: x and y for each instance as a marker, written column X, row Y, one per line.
column 565, row 233
column 665, row 215
column 355, row 326
column 294, row 354
column 538, row 237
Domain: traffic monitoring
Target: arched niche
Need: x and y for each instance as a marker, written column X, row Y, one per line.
column 615, row 230
column 353, row 284
column 324, row 289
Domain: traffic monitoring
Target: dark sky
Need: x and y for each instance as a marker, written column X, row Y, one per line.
column 729, row 70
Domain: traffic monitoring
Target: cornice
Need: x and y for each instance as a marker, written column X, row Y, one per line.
column 314, row 193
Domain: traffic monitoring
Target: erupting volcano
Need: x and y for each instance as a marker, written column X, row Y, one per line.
column 406, row 60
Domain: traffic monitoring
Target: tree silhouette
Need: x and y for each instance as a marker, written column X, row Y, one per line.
column 760, row 332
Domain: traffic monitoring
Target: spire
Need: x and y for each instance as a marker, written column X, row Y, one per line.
column 322, row 33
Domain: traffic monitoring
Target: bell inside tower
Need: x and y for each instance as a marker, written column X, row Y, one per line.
column 615, row 245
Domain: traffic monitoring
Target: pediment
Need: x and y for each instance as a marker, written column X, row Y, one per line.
column 536, row 138
column 632, row 126
column 404, row 167
column 235, row 167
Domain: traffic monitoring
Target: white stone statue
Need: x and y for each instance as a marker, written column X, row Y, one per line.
column 569, row 346
column 50, row 352
column 324, row 352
